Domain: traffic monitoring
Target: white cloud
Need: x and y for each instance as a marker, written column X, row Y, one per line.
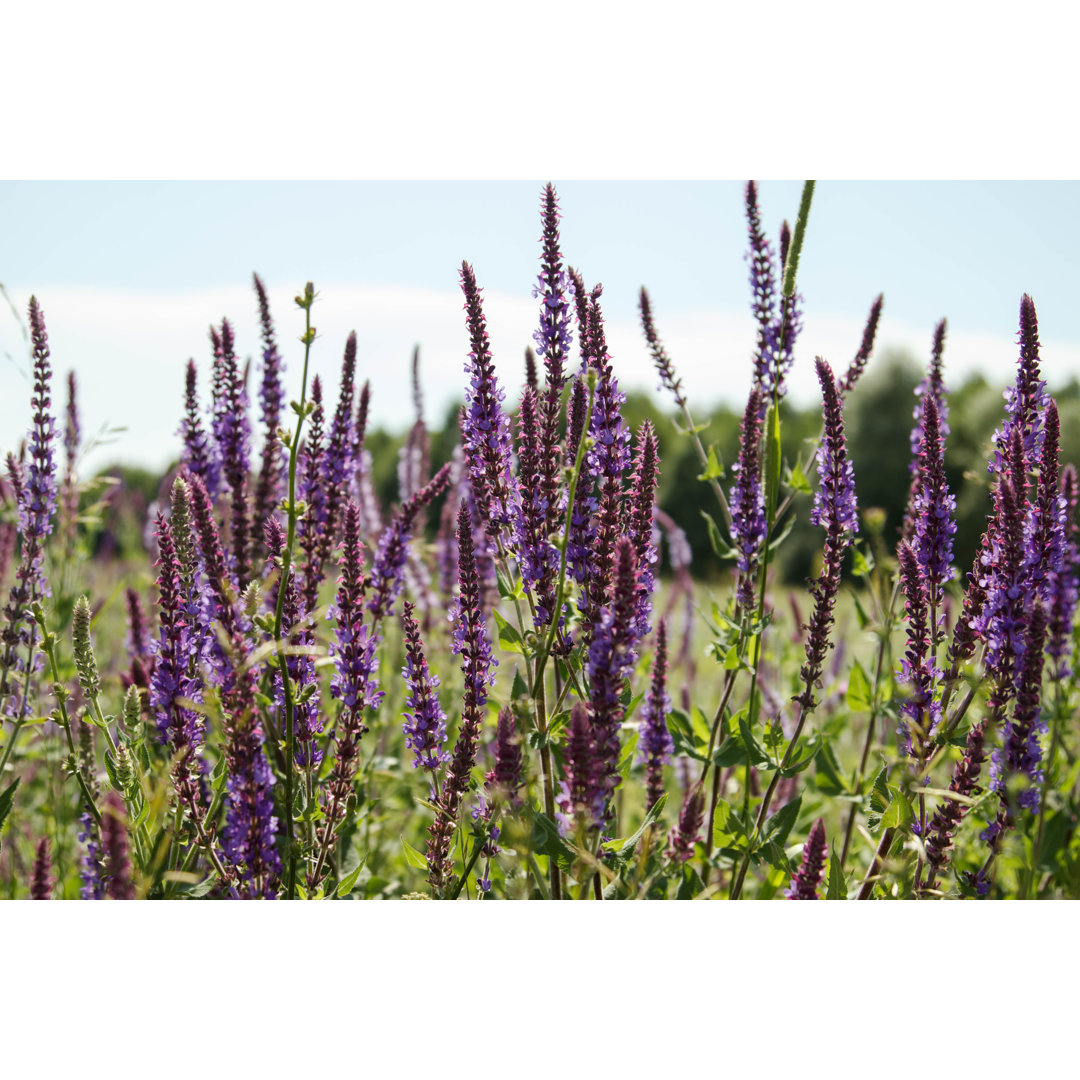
column 129, row 351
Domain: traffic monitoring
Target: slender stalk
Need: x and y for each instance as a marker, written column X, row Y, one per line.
column 286, row 566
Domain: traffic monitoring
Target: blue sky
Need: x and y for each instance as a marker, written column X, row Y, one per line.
column 131, row 274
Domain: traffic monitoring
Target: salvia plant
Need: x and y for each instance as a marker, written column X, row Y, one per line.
column 488, row 687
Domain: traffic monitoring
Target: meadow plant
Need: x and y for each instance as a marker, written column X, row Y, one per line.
column 469, row 691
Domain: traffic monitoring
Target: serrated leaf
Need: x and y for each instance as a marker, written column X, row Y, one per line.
column 412, row 856
column 797, row 479
column 862, row 564
column 877, row 802
column 547, row 841
column 626, row 847
column 860, row 693
column 757, row 755
column 690, row 885
column 899, row 813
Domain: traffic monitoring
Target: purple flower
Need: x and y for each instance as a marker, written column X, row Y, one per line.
column 582, row 797
column 1064, row 584
column 42, row 884
column 612, row 654
column 486, row 432
column 655, row 744
column 388, row 571
column 233, row 436
column 471, row 643
column 90, row 863
column 274, row 461
column 425, row 721
column 858, row 364
column 688, row 831
column 933, row 507
column 198, row 457
column 747, row 502
column 805, row 880
column 581, row 541
column 114, row 841
column 314, row 494
column 663, row 363
column 835, row 509
column 922, row 710
column 642, row 497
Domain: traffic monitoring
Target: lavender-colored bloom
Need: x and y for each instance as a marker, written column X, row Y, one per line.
column 233, row 437
column 1021, row 753
column 835, row 509
column 806, row 880
column 688, row 831
column 425, row 721
column 114, row 840
column 92, row 887
column 503, row 782
column 610, row 453
column 315, row 495
column 663, row 363
column 747, row 502
column 933, row 508
column 642, row 504
column 486, row 432
column 356, row 666
column 471, row 643
column 337, row 463
column 581, row 540
column 1025, row 404
column 198, row 456
column 922, row 709
column 1044, row 525
column 42, row 883
column 1064, row 584
column 538, row 559
column 36, row 490
column 582, row 796
column 655, row 744
column 274, row 462
column 612, row 654
column 387, row 573
column 858, row 364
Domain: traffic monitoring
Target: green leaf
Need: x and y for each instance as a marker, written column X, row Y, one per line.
column 878, row 800
column 346, row 885
column 771, row 474
column 837, row 889
column 722, row 549
column 547, row 841
column 412, row 856
column 783, row 534
column 626, row 847
column 720, row 822
column 797, row 480
column 690, row 885
column 860, row 694
column 714, row 469
column 899, row 813
column 862, row 565
column 518, row 689
column 7, row 799
column 802, row 760
column 829, row 779
column 780, row 824
column 509, row 638
column 757, row 755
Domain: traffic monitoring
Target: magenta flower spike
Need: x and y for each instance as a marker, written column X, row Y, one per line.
column 425, row 721
column 274, row 461
column 807, row 879
column 747, row 503
column 655, row 744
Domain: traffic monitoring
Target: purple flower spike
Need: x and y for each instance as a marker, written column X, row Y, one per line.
column 425, row 721
column 688, row 831
column 114, row 840
column 805, row 880
column 198, row 456
column 1025, row 402
column 1064, row 584
column 471, row 643
column 933, row 507
column 922, row 710
column 663, row 363
column 858, row 364
column 582, row 797
column 642, row 505
column 835, row 509
column 503, row 781
column 655, row 743
column 611, row 660
column 486, row 432
column 274, row 461
column 388, row 571
column 42, row 884
column 747, row 502
column 233, row 436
